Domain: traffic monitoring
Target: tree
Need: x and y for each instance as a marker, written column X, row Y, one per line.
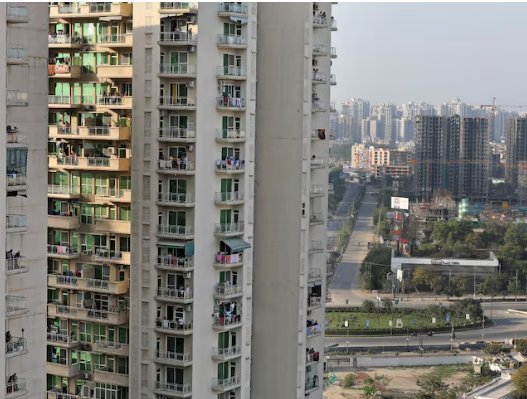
column 468, row 306
column 521, row 345
column 431, row 384
column 519, row 380
column 349, row 380
column 492, row 348
column 368, row 306
column 422, row 278
column 387, row 304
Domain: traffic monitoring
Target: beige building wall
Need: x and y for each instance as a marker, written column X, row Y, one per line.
column 23, row 150
column 290, row 199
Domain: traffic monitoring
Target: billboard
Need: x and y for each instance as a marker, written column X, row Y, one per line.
column 400, row 203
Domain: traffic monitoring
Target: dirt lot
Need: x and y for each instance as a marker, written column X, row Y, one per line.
column 402, row 380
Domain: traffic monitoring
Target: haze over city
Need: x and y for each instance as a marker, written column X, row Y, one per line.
column 401, row 52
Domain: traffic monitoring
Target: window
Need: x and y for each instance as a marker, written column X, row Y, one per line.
column 124, row 213
column 86, row 183
column 232, row 29
column 87, row 213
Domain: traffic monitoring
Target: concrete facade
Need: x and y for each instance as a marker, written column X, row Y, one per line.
column 23, row 151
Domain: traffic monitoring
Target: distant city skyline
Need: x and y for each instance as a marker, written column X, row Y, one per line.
column 433, row 52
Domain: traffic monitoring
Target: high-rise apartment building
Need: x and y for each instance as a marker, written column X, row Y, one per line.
column 516, row 153
column 292, row 115
column 22, row 241
column 452, row 154
column 89, row 196
column 175, row 318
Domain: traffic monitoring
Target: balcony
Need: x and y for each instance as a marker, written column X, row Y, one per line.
column 16, row 389
column 171, row 263
column 317, row 190
column 15, row 306
column 63, row 71
column 319, row 77
column 17, row 98
column 105, row 9
column 104, row 375
column 230, row 136
column 173, row 327
column 176, row 167
column 90, row 163
column 320, row 50
column 320, row 21
column 15, row 347
column 232, row 9
column 177, row 103
column 317, row 163
column 332, row 107
column 62, row 251
column 17, row 14
column 333, row 24
column 63, row 192
column 225, row 354
column 110, row 256
column 174, row 231
column 16, row 181
column 228, row 103
column 314, row 274
column 114, row 71
column 175, row 199
column 88, row 284
column 316, row 218
column 63, row 368
column 174, row 359
column 17, row 55
column 232, row 41
column 115, row 41
column 225, row 323
column 173, row 390
column 333, row 79
column 114, row 195
column 230, row 166
column 225, row 384
column 227, row 290
column 333, row 52
column 228, row 229
column 113, row 226
column 64, row 101
column 318, row 106
column 231, row 72
column 92, row 315
column 314, row 302
column 228, row 260
column 174, row 134
column 64, row 221
column 64, row 41
column 174, row 295
column 16, row 223
column 331, row 190
column 311, row 386
column 178, row 7
column 177, row 71
column 62, row 340
column 316, row 247
column 15, row 265
column 56, row 393
column 177, row 39
column 229, row 198
column 111, row 348
column 64, row 10
column 115, row 102
column 313, row 330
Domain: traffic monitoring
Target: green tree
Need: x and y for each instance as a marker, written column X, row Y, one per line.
column 519, row 380
column 369, row 306
column 431, row 384
column 467, row 306
column 349, row 380
column 521, row 345
column 422, row 278
column 387, row 304
column 492, row 348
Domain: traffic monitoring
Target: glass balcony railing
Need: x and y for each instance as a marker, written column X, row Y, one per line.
column 234, row 8
column 185, row 37
column 232, row 40
column 231, row 70
column 15, row 386
column 175, row 230
column 177, row 133
column 177, row 69
column 16, row 221
column 176, row 198
column 230, row 134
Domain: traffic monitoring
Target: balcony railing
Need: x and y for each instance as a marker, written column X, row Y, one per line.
column 64, row 39
column 62, row 249
column 225, row 383
column 231, row 70
column 16, row 264
column 184, row 37
column 17, row 344
column 178, row 5
column 317, row 162
column 15, row 305
column 234, row 8
column 176, row 165
column 64, row 339
column 118, row 38
column 314, row 301
column 64, row 100
column 111, row 346
column 231, row 102
column 333, row 52
column 333, row 79
column 17, row 13
column 317, row 105
column 316, row 246
column 311, row 385
column 16, row 221
column 17, row 54
column 226, row 321
column 233, row 196
column 177, row 69
column 177, row 133
column 173, row 325
column 16, row 179
column 175, row 230
column 232, row 259
column 316, row 217
column 314, row 273
column 17, row 98
column 229, row 228
column 320, row 20
column 172, row 101
column 320, row 77
column 232, row 40
column 176, row 198
column 227, row 352
column 317, row 189
column 170, row 387
column 230, row 164
column 173, row 293
column 172, row 262
column 230, row 134
column 227, row 289
column 333, row 24
column 178, row 357
column 15, row 388
column 320, row 49
column 100, row 7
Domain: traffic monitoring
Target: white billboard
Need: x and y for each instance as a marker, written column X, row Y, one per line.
column 400, row 203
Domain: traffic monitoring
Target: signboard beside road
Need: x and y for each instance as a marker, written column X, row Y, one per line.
column 400, row 203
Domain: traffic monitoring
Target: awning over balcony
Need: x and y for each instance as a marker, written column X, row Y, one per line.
column 236, row 244
column 188, row 246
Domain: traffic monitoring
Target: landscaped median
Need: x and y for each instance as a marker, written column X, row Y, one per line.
column 350, row 321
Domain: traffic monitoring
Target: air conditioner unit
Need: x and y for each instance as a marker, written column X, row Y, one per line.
column 191, row 49
column 190, row 83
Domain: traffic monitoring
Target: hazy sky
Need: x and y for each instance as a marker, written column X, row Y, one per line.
column 400, row 52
